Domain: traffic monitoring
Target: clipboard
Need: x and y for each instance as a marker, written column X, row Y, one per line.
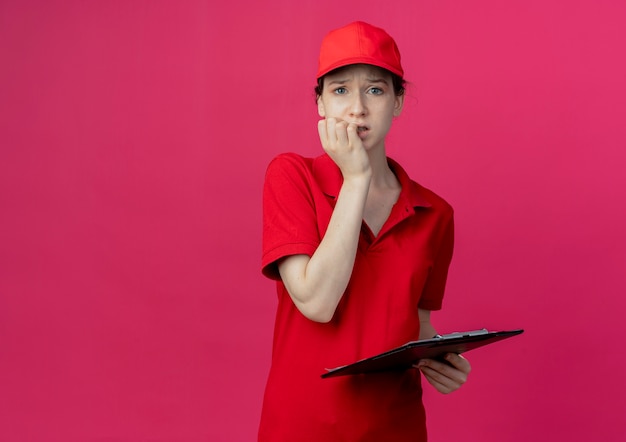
column 405, row 356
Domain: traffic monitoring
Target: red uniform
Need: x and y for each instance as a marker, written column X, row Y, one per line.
column 402, row 268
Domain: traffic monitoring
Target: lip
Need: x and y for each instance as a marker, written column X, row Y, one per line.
column 362, row 131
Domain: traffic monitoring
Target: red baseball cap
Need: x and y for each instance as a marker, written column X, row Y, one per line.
column 359, row 42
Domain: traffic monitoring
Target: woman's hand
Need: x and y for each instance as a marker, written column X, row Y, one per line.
column 447, row 376
column 341, row 142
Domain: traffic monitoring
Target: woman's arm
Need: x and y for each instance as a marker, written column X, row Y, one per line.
column 427, row 331
column 317, row 283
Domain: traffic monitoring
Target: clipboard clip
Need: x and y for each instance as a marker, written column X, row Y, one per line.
column 482, row 331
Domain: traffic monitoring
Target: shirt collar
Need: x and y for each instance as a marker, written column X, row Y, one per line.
column 328, row 177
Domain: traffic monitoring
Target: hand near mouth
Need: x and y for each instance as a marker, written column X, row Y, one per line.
column 342, row 143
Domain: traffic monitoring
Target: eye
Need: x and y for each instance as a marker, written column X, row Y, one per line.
column 376, row 91
column 341, row 91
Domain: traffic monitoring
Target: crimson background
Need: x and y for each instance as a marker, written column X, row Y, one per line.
column 134, row 137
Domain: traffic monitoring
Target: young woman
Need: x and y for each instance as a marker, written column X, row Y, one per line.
column 360, row 253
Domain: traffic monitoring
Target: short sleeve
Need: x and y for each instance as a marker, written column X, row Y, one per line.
column 432, row 294
column 289, row 218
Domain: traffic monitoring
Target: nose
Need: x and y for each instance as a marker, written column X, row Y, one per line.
column 357, row 106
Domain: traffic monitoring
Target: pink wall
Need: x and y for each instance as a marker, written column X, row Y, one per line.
column 134, row 138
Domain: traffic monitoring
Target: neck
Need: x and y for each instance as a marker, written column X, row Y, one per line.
column 382, row 175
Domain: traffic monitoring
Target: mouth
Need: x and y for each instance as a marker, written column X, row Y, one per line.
column 362, row 129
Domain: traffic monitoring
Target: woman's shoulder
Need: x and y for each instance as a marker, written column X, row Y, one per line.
column 420, row 194
column 316, row 168
column 289, row 161
column 435, row 200
column 289, row 168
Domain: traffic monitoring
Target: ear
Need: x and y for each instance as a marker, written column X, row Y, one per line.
column 397, row 107
column 320, row 107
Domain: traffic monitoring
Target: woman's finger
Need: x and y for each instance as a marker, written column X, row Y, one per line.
column 458, row 362
column 342, row 134
column 441, row 382
column 323, row 133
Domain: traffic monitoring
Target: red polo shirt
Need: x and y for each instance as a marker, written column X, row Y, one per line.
column 402, row 268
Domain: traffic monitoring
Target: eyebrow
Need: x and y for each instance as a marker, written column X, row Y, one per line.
column 377, row 80
column 368, row 79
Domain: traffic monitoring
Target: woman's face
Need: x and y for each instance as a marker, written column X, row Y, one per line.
column 364, row 95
